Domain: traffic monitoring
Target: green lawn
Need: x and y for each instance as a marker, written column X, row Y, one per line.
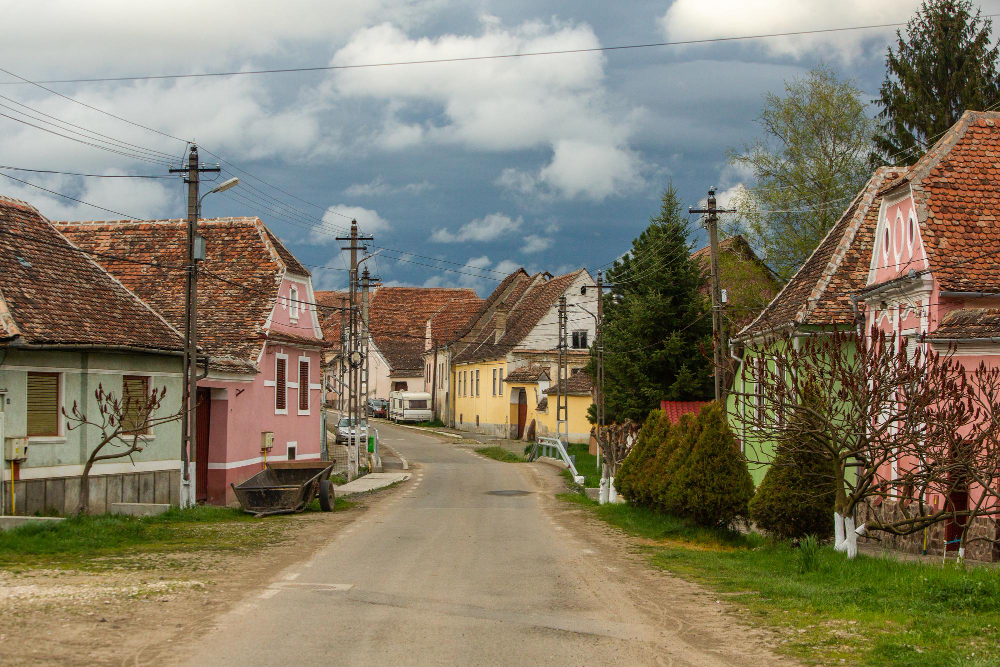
column 500, row 454
column 874, row 611
column 109, row 540
column 586, row 464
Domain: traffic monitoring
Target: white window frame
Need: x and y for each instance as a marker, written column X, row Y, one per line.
column 298, row 385
column 274, row 383
column 293, row 302
column 495, row 381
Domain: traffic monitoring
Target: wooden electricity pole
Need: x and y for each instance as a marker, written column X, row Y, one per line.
column 712, row 222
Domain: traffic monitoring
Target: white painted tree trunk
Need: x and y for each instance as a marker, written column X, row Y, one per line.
column 612, row 492
column 838, row 532
column 604, row 493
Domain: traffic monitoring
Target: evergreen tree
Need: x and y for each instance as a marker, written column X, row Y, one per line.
column 943, row 66
column 655, row 321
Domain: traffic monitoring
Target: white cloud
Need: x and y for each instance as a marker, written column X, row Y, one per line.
column 378, row 187
column 131, row 198
column 696, row 19
column 502, row 105
column 534, row 243
column 488, row 228
column 337, row 221
column 478, row 273
column 325, row 278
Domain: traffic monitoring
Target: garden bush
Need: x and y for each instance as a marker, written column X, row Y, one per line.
column 796, row 497
column 632, row 479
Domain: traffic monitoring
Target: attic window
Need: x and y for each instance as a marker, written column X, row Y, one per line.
column 293, row 298
column 886, row 245
column 910, row 237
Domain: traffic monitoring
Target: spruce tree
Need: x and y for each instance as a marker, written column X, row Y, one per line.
column 655, row 321
column 944, row 65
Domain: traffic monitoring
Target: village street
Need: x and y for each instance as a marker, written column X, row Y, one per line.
column 473, row 562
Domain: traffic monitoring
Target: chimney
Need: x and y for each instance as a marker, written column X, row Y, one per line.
column 501, row 322
column 427, row 334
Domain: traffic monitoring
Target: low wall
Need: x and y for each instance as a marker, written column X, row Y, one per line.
column 914, row 544
column 62, row 494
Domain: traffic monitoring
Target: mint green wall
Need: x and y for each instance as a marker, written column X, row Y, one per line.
column 82, row 372
column 761, row 449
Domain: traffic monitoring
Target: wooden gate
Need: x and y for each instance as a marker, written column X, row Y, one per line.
column 522, row 412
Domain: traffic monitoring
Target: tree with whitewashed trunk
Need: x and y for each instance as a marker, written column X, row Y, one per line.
column 616, row 441
column 124, row 424
column 884, row 415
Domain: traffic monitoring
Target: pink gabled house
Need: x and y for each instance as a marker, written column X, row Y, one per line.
column 256, row 324
column 934, row 275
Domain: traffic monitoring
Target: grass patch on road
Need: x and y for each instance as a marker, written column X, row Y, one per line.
column 113, row 540
column 872, row 610
column 500, row 454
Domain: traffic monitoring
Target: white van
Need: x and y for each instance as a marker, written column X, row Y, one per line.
column 409, row 406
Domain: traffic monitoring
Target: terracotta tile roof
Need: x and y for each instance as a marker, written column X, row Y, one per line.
column 819, row 292
column 448, row 324
column 968, row 323
column 330, row 317
column 293, row 338
column 577, row 384
column 527, row 302
column 237, row 287
column 675, row 409
column 499, row 294
column 956, row 187
column 53, row 294
column 399, row 317
column 531, row 373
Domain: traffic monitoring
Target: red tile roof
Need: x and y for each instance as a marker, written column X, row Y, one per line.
column 531, row 373
column 577, row 384
column 399, row 315
column 237, row 287
column 956, row 187
column 968, row 323
column 819, row 292
column 330, row 316
column 51, row 293
column 527, row 300
column 675, row 409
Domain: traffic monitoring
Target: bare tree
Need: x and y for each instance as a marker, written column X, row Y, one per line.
column 616, row 442
column 889, row 416
column 124, row 424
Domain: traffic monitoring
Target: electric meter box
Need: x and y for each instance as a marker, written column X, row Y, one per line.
column 266, row 441
column 15, row 449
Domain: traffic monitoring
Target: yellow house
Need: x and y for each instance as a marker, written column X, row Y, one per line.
column 579, row 390
column 503, row 362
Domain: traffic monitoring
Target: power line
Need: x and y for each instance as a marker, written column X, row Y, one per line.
column 433, row 61
column 73, row 173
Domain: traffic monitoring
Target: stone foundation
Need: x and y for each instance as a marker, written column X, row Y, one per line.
column 914, row 544
column 61, row 495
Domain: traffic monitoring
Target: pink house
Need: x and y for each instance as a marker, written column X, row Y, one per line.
column 935, row 263
column 262, row 396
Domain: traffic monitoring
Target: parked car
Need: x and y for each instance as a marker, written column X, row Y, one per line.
column 378, row 407
column 410, row 406
column 347, row 429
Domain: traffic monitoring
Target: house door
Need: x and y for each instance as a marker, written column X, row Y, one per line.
column 202, row 425
column 959, row 500
column 522, row 412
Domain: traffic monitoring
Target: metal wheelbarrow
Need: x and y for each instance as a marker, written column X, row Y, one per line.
column 285, row 487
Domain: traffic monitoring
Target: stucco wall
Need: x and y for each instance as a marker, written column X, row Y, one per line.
column 576, row 416
column 81, row 372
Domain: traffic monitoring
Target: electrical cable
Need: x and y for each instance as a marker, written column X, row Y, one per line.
column 73, row 173
column 596, row 49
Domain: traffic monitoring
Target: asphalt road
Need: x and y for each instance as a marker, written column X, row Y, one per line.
column 462, row 566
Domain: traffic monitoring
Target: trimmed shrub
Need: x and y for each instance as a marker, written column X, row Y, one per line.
column 713, row 487
column 672, row 459
column 796, row 497
column 632, row 479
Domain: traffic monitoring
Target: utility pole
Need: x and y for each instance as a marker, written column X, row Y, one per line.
column 712, row 222
column 562, row 399
column 189, row 396
column 599, row 335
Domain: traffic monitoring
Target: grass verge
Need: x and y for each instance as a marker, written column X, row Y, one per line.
column 872, row 610
column 500, row 454
column 112, row 540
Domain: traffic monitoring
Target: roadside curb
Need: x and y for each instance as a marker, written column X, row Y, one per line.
column 425, row 430
column 406, row 465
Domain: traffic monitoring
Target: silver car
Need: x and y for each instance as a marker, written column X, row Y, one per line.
column 346, row 430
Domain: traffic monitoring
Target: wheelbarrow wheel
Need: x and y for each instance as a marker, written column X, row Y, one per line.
column 326, row 495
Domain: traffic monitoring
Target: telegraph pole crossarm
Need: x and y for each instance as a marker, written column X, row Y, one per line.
column 712, row 222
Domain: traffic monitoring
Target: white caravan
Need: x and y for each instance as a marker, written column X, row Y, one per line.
column 409, row 406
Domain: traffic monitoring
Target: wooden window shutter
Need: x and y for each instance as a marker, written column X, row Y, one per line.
column 303, row 385
column 43, row 404
column 135, row 393
column 279, row 383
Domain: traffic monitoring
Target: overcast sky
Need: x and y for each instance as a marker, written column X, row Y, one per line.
column 550, row 162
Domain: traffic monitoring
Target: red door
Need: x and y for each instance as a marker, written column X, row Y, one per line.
column 202, row 424
column 522, row 412
column 959, row 501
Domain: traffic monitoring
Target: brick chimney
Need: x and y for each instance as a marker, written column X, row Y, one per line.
column 501, row 322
